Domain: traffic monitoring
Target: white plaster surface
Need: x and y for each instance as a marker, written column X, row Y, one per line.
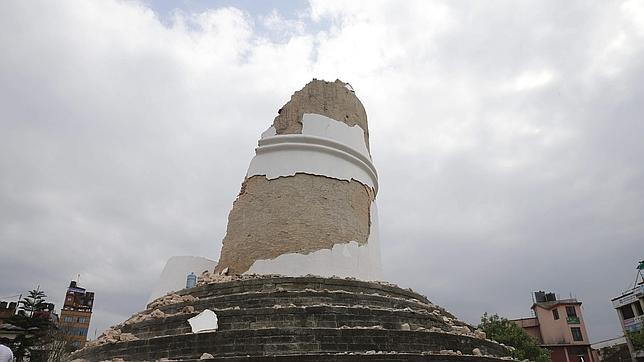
column 343, row 260
column 269, row 132
column 174, row 274
column 204, row 322
column 323, row 126
column 326, row 147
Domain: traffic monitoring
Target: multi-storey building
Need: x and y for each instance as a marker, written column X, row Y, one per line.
column 76, row 314
column 558, row 326
column 630, row 309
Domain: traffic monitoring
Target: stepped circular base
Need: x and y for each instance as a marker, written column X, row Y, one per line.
column 271, row 318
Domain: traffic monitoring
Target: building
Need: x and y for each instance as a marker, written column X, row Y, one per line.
column 612, row 350
column 629, row 307
column 558, row 326
column 7, row 309
column 76, row 314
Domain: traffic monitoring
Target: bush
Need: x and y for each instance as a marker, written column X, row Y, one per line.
column 510, row 334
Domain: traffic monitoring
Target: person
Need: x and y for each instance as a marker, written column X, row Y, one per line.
column 6, row 355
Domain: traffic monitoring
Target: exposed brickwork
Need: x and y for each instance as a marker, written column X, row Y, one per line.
column 296, row 214
column 331, row 99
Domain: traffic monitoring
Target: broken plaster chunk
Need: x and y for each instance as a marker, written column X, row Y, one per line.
column 405, row 327
column 207, row 356
column 205, row 321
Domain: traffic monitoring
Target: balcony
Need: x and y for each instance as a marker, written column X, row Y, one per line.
column 573, row 320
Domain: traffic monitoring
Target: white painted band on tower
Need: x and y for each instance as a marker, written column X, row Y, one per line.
column 326, row 147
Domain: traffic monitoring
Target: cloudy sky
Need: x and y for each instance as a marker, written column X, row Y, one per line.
column 508, row 138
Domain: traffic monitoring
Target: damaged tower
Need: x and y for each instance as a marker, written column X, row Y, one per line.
column 297, row 278
column 307, row 204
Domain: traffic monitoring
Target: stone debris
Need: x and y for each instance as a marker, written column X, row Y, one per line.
column 461, row 329
column 110, row 336
column 477, row 352
column 125, row 337
column 210, row 277
column 361, row 327
column 447, row 352
column 157, row 314
column 170, row 299
column 137, row 318
column 480, row 334
column 207, row 356
column 405, row 327
column 188, row 309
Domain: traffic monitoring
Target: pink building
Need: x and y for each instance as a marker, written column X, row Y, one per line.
column 559, row 326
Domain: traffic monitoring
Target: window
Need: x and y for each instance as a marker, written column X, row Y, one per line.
column 68, row 319
column 555, row 314
column 576, row 334
column 638, row 307
column 82, row 320
column 570, row 311
column 627, row 311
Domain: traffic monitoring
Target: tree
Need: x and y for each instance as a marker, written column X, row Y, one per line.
column 41, row 339
column 34, row 302
column 507, row 332
column 637, row 339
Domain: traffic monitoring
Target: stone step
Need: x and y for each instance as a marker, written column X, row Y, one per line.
column 292, row 317
column 376, row 357
column 292, row 284
column 260, row 299
column 290, row 341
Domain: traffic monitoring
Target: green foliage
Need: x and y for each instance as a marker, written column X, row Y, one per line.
column 510, row 334
column 40, row 338
column 637, row 339
column 34, row 302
